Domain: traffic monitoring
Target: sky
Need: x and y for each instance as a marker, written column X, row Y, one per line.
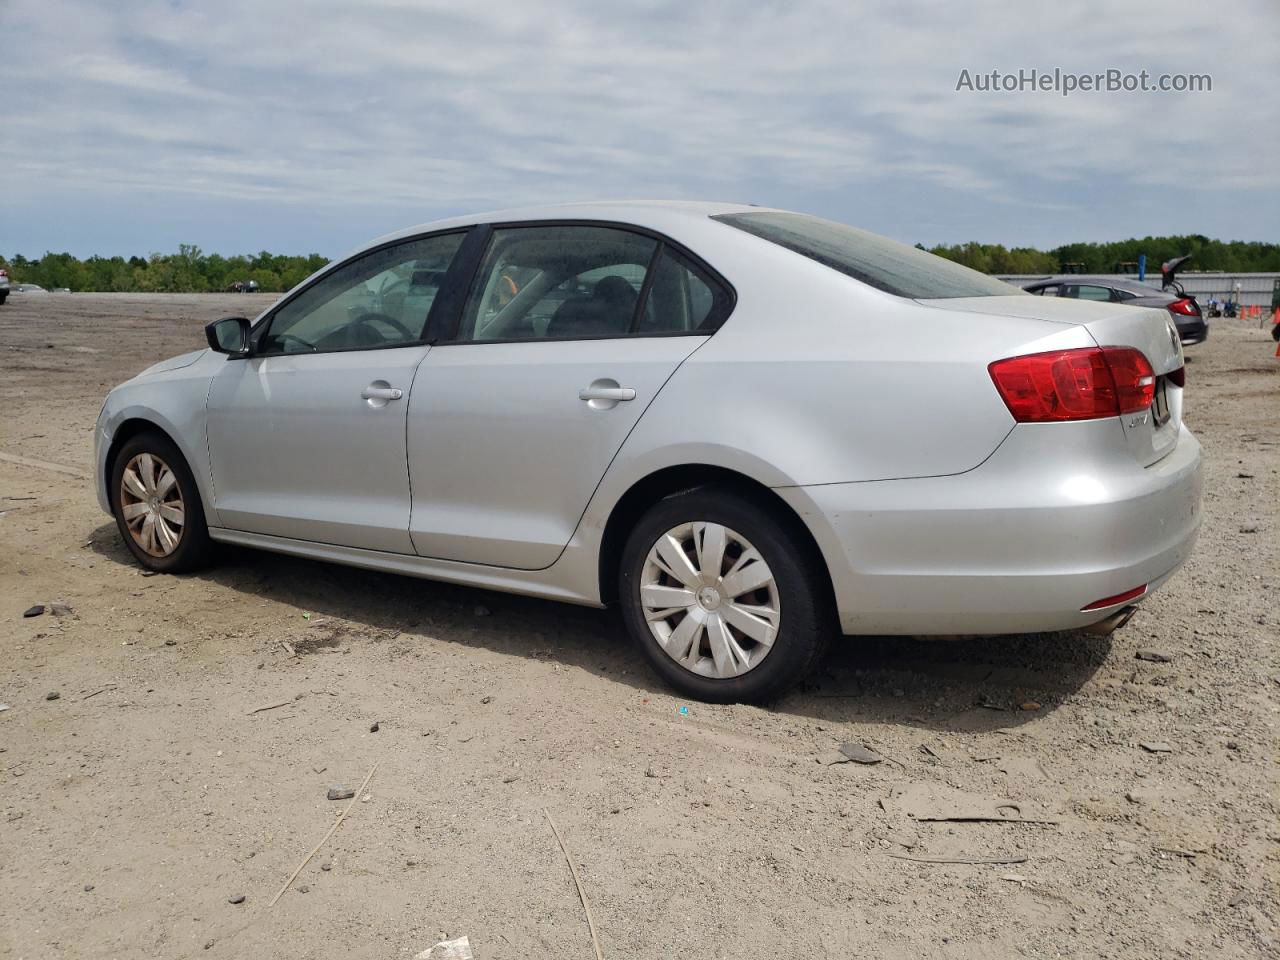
column 130, row 126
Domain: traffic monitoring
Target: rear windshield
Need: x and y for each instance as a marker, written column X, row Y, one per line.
column 884, row 264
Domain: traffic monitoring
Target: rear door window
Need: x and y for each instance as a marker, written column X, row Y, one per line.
column 574, row 281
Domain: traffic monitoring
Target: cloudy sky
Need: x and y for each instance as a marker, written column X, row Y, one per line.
column 131, row 126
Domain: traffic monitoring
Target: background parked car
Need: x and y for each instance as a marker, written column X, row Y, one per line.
column 1183, row 309
column 4, row 285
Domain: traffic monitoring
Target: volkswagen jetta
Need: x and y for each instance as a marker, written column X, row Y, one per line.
column 750, row 429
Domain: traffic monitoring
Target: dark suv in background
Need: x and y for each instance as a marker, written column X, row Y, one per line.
column 1192, row 325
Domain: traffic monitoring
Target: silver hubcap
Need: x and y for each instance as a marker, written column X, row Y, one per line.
column 710, row 600
column 151, row 503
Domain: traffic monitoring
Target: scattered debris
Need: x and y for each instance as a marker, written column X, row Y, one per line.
column 1239, row 900
column 1154, row 656
column 288, row 647
column 53, row 695
column 98, row 691
column 34, row 611
column 914, row 859
column 326, row 867
column 304, row 889
column 859, row 754
column 1178, row 852
column 1014, row 878
column 486, row 699
column 88, row 887
column 237, row 899
column 340, row 793
column 316, row 849
column 270, row 706
column 375, row 727
column 3, row 707
column 1250, row 529
column 171, row 642
column 926, row 802
column 1155, row 746
column 59, row 609
column 1029, row 706
column 511, row 779
column 459, row 949
column 582, row 894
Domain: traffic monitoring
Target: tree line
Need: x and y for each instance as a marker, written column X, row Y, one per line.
column 190, row 270
column 1120, row 256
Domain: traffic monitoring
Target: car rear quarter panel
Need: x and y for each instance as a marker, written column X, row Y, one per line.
column 816, row 378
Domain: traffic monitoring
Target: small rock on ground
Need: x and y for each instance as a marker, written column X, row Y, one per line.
column 341, row 793
column 34, row 611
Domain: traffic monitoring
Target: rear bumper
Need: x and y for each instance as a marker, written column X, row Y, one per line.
column 1057, row 518
column 1193, row 331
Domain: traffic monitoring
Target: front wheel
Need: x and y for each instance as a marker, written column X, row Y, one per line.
column 724, row 599
column 157, row 505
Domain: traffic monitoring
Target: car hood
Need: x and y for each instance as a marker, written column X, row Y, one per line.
column 173, row 363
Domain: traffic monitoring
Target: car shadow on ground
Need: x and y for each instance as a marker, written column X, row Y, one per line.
column 956, row 685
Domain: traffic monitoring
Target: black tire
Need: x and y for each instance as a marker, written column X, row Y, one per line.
column 194, row 548
column 805, row 618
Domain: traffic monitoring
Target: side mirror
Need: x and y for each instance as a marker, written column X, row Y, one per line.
column 229, row 335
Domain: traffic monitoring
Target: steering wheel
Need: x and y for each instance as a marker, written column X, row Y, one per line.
column 372, row 318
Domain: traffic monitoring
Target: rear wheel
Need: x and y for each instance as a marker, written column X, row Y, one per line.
column 157, row 505
column 723, row 599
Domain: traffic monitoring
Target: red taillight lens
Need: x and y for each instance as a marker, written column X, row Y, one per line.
column 1135, row 380
column 1084, row 384
column 1185, row 307
column 1118, row 598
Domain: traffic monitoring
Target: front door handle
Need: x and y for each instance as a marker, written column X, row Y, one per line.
column 607, row 393
column 379, row 393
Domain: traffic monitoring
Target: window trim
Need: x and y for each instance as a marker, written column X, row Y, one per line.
column 263, row 326
column 710, row 275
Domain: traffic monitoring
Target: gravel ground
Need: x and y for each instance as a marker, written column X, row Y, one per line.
column 148, row 794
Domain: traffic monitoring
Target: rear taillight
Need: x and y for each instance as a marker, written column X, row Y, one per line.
column 1084, row 384
column 1185, row 307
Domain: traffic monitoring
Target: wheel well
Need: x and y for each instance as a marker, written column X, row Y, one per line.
column 124, row 433
column 648, row 491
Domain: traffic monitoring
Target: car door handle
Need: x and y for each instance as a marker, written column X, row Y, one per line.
column 607, row 393
column 381, row 393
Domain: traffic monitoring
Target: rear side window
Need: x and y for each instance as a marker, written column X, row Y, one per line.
column 575, row 281
column 876, row 261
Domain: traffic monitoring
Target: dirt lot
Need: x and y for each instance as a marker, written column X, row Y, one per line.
column 148, row 794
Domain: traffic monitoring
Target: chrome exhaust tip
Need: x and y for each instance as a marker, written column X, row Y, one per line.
column 1108, row 625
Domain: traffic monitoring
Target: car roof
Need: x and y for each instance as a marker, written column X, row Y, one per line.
column 654, row 214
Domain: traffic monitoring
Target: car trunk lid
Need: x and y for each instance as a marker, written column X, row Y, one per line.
column 1150, row 434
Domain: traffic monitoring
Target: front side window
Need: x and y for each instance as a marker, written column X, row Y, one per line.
column 576, row 281
column 876, row 261
column 381, row 299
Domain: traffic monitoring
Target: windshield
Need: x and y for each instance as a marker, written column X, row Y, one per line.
column 876, row 261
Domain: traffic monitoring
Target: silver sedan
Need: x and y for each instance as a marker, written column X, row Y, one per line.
column 752, row 430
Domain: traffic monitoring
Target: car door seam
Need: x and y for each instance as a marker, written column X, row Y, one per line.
column 608, row 466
